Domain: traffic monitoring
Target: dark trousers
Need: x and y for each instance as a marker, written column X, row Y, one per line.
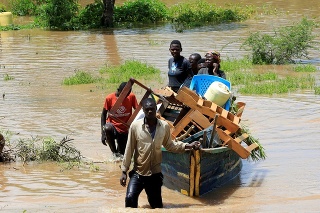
column 152, row 186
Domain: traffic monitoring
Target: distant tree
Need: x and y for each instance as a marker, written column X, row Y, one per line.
column 107, row 16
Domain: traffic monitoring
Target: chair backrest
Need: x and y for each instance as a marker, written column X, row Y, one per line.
column 200, row 83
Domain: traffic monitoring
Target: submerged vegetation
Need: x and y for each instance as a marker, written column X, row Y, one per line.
column 245, row 80
column 80, row 77
column 38, row 149
column 7, row 77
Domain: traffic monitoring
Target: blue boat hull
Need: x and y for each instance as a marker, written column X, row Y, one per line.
column 214, row 168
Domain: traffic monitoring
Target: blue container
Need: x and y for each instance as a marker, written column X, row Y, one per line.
column 201, row 83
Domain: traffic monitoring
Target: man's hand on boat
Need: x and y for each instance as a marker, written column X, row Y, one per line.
column 194, row 145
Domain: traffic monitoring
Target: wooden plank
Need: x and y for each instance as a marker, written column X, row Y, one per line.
column 211, row 112
column 235, row 145
column 192, row 175
column 123, row 95
column 182, row 124
column 240, row 106
column 252, row 147
column 200, row 119
column 240, row 150
column 197, row 171
column 136, row 111
column 241, row 137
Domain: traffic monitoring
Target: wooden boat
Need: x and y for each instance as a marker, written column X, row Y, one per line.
column 192, row 118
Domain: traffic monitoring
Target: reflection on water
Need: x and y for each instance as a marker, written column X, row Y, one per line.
column 36, row 103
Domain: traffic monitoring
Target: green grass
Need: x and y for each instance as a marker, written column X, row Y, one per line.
column 232, row 65
column 80, row 77
column 278, row 86
column 305, row 68
column 241, row 73
column 246, row 77
column 130, row 69
column 7, row 77
column 317, row 90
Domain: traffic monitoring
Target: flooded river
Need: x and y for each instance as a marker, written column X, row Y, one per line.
column 36, row 104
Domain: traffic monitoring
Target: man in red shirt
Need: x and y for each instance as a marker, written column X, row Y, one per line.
column 111, row 129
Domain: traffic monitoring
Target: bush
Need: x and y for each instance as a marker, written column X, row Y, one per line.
column 2, row 8
column 145, row 11
column 90, row 16
column 286, row 44
column 200, row 13
column 22, row 7
column 57, row 14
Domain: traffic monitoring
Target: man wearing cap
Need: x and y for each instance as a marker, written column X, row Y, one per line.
column 111, row 129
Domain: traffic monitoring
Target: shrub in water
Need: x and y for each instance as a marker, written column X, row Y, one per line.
column 57, row 14
column 200, row 13
column 286, row 44
column 22, row 7
column 89, row 17
column 141, row 11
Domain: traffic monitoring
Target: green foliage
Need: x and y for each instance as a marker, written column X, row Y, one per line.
column 278, row 86
column 89, row 17
column 57, row 14
column 317, row 90
column 305, row 68
column 232, row 65
column 240, row 78
column 60, row 152
column 200, row 13
column 43, row 149
column 23, row 7
column 130, row 69
column 286, row 44
column 258, row 153
column 80, row 77
column 2, row 8
column 146, row 11
column 7, row 77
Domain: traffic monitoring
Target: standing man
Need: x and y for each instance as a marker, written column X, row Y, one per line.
column 145, row 139
column 111, row 129
column 179, row 69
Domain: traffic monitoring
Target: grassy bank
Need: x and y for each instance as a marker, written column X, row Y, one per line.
column 69, row 15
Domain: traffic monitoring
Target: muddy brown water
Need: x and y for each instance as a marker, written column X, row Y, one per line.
column 36, row 104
